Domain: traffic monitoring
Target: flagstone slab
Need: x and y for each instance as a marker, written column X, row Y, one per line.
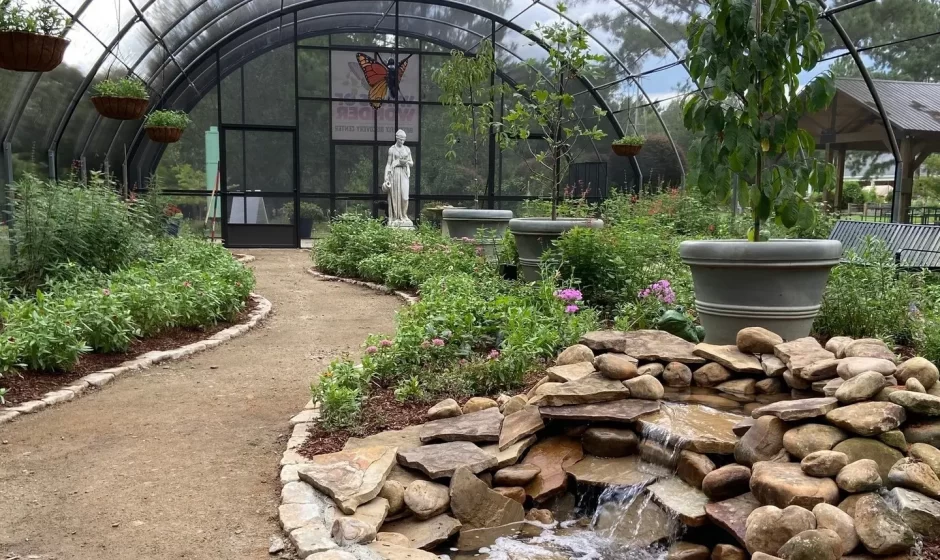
column 510, row 455
column 659, row 346
column 693, row 427
column 351, row 477
column 483, row 425
column 731, row 515
column 620, row 471
column 622, row 411
column 801, row 409
column 441, row 460
column 730, row 357
column 681, row 500
column 520, row 425
column 570, row 372
column 425, row 534
column 593, row 388
column 552, row 456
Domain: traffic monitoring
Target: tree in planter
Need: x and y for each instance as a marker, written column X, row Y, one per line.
column 468, row 93
column 751, row 56
column 548, row 107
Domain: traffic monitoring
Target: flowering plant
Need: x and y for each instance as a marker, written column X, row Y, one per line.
column 660, row 290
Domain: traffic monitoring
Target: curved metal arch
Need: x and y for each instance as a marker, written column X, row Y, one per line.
column 892, row 139
column 325, row 16
column 446, row 3
column 154, row 160
column 649, row 100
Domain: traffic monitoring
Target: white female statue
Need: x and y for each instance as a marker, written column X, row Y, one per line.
column 397, row 175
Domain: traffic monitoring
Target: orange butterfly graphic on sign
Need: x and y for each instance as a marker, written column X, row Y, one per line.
column 383, row 78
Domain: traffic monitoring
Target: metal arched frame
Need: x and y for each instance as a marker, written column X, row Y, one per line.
column 234, row 34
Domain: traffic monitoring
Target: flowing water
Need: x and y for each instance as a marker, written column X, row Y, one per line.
column 612, row 523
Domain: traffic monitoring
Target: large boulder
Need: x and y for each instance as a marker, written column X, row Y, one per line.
column 479, row 507
column 711, row 375
column 928, row 454
column 880, row 528
column 915, row 475
column 616, row 366
column 687, row 551
column 922, row 514
column 772, row 365
column 726, row 482
column 646, row 387
column 785, row 484
column 868, row 348
column 921, row 369
column 837, row 344
column 924, row 431
column 684, row 502
column 757, row 340
column 824, row 463
column 677, row 374
column 860, row 476
column 609, row 442
column 427, row 499
column 866, row 448
column 917, row 402
column 768, row 528
column 850, row 367
column 860, row 388
column 808, row 438
column 575, row 354
column 868, row 418
column 830, row 517
column 447, row 408
column 763, row 442
column 815, row 544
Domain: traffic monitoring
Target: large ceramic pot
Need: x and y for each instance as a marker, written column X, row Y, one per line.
column 534, row 235
column 485, row 227
column 776, row 284
column 305, row 226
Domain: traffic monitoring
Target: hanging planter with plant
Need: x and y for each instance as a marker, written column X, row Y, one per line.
column 628, row 145
column 166, row 127
column 30, row 39
column 125, row 99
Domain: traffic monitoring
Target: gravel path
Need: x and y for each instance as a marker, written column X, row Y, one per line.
column 180, row 461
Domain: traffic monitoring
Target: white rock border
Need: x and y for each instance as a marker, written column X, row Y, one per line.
column 404, row 296
column 144, row 361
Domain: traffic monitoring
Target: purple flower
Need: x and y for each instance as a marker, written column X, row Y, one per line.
column 437, row 342
column 371, row 350
column 568, row 294
column 661, row 290
column 493, row 355
column 572, row 309
column 385, row 343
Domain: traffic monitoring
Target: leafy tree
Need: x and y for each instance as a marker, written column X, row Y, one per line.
column 752, row 57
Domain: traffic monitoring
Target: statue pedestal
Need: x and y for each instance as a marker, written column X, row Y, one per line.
column 401, row 224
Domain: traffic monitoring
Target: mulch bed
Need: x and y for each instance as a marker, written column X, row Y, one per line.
column 28, row 385
column 383, row 412
column 931, row 550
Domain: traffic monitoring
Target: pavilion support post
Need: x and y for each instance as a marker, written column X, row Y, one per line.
column 903, row 199
column 840, row 177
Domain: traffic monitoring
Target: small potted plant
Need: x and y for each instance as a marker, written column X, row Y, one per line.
column 166, row 127
column 31, row 39
column 125, row 99
column 752, row 57
column 628, row 145
column 310, row 213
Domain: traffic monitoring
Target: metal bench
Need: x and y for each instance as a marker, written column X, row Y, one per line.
column 915, row 247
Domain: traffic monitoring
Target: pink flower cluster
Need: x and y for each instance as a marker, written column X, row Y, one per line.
column 493, row 355
column 572, row 308
column 660, row 290
column 416, row 247
column 371, row 350
column 568, row 294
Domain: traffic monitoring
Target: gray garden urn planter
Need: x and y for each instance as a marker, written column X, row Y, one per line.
column 485, row 227
column 535, row 235
column 775, row 284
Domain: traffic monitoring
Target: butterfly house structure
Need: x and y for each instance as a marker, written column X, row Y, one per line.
column 293, row 104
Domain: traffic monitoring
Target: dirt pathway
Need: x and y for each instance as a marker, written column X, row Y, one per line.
column 181, row 461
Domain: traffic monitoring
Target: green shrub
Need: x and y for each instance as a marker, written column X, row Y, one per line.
column 339, row 392
column 68, row 222
column 41, row 333
column 868, row 297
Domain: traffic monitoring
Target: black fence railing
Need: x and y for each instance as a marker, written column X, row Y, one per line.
column 920, row 215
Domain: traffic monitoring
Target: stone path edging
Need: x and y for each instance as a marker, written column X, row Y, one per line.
column 101, row 378
column 404, row 296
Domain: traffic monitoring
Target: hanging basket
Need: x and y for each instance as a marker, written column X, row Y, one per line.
column 30, row 52
column 164, row 134
column 121, row 108
column 626, row 150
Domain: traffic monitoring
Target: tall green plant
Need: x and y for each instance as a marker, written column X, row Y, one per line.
column 468, row 91
column 750, row 55
column 546, row 105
